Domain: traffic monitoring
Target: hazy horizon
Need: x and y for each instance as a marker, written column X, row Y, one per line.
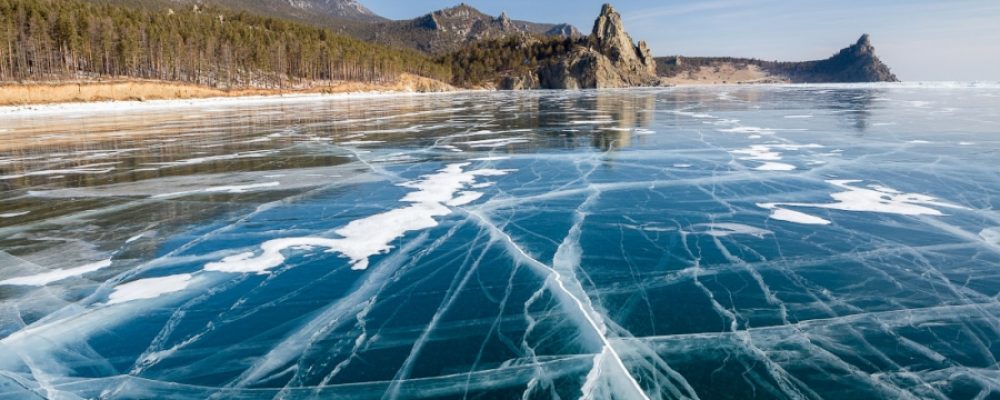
column 961, row 34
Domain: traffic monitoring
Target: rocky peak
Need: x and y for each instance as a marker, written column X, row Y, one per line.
column 505, row 23
column 461, row 11
column 864, row 46
column 611, row 39
column 608, row 59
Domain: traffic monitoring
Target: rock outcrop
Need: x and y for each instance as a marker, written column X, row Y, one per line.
column 608, row 58
column 856, row 63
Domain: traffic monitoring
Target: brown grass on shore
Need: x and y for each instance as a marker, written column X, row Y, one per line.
column 124, row 90
column 723, row 74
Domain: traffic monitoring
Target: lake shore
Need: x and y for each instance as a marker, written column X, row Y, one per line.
column 46, row 95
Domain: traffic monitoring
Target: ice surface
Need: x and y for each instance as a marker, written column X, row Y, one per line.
column 482, row 245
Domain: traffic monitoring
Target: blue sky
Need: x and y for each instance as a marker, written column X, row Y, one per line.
column 919, row 39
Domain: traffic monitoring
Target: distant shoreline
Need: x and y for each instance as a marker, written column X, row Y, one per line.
column 36, row 94
column 350, row 90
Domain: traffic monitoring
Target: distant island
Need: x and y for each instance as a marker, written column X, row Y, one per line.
column 88, row 50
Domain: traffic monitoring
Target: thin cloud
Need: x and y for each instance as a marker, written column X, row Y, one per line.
column 684, row 9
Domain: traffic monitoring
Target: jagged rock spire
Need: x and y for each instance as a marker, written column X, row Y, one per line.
column 611, row 39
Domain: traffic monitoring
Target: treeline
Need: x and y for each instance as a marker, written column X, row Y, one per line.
column 487, row 61
column 45, row 40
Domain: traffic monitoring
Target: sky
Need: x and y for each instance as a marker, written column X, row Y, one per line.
column 921, row 40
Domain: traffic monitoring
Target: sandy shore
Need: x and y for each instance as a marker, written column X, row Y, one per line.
column 14, row 96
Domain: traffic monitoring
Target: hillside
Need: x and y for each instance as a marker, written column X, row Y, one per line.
column 607, row 58
column 57, row 40
column 855, row 63
column 452, row 28
column 437, row 32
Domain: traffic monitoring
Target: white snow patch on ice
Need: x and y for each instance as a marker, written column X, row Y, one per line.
column 491, row 158
column 876, row 198
column 724, row 229
column 72, row 171
column 14, row 214
column 46, row 278
column 144, row 289
column 235, row 156
column 991, row 236
column 783, row 214
column 775, row 166
column 748, row 130
column 242, row 189
column 366, row 237
column 222, row 189
column 360, row 142
column 496, row 142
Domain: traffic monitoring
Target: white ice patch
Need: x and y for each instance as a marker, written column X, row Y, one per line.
column 366, row 237
column 748, row 130
column 86, row 170
column 783, row 214
column 14, row 214
column 360, row 142
column 876, row 198
column 46, row 278
column 492, row 158
column 691, row 114
column 242, row 189
column 222, row 189
column 805, row 116
column 724, row 229
column 775, row 166
column 991, row 236
column 496, row 142
column 235, row 156
column 768, row 155
column 151, row 288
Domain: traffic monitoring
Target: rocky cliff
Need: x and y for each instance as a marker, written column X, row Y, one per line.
column 608, row 58
column 856, row 63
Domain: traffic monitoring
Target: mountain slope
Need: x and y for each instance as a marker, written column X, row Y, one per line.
column 298, row 10
column 607, row 58
column 855, row 63
column 449, row 29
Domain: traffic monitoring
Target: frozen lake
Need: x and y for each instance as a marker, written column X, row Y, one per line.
column 799, row 242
